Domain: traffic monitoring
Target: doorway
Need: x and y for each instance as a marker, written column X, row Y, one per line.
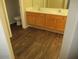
column 31, row 41
column 13, row 11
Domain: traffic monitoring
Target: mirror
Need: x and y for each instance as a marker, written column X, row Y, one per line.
column 64, row 4
column 38, row 3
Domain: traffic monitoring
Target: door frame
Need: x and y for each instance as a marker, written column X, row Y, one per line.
column 6, row 19
column 22, row 13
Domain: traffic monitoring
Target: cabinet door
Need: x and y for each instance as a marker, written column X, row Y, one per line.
column 30, row 17
column 60, row 23
column 40, row 19
column 50, row 21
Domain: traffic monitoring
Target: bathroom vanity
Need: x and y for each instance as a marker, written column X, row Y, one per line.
column 52, row 20
column 47, row 14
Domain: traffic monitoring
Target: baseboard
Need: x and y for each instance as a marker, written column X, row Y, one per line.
column 43, row 28
column 24, row 27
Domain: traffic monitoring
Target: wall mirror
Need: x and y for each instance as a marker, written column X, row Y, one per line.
column 64, row 4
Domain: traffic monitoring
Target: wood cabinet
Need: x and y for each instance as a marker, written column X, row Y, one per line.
column 60, row 23
column 50, row 21
column 30, row 18
column 40, row 19
column 35, row 18
column 53, row 22
column 56, row 22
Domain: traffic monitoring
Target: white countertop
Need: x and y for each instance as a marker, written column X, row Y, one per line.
column 62, row 12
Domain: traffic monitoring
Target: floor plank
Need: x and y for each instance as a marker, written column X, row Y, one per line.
column 32, row 43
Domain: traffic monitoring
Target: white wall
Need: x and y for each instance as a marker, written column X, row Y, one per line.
column 73, row 53
column 5, row 45
column 27, row 3
column 70, row 46
column 23, row 5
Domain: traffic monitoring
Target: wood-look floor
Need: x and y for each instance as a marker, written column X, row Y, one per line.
column 33, row 43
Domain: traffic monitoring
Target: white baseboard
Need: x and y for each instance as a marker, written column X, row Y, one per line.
column 24, row 27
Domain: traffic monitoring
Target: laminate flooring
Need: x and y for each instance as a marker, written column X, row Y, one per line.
column 32, row 43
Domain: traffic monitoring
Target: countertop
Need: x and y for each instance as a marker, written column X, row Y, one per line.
column 62, row 12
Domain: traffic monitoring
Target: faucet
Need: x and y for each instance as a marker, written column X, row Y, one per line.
column 59, row 10
column 39, row 9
